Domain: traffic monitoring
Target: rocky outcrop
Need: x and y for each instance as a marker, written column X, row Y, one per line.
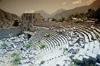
column 7, row 19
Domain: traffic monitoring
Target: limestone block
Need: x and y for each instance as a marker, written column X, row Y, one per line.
column 92, row 57
column 86, row 59
column 98, row 56
column 97, row 64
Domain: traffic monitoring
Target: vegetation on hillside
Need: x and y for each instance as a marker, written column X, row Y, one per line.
column 90, row 14
column 59, row 20
column 77, row 21
column 7, row 19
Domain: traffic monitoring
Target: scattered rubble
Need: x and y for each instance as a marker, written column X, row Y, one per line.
column 18, row 45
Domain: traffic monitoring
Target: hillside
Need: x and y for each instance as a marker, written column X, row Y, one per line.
column 7, row 19
column 83, row 9
column 43, row 13
column 46, row 15
column 58, row 11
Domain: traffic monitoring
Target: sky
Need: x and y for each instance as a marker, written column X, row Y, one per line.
column 49, row 6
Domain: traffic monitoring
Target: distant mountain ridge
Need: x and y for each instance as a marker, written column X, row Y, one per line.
column 58, row 11
column 43, row 14
column 7, row 19
column 46, row 15
column 83, row 9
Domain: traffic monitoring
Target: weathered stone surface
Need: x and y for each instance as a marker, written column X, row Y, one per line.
column 86, row 60
column 9, row 48
column 92, row 57
column 97, row 64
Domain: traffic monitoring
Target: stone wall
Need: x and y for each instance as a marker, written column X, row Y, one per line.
column 9, row 32
column 47, row 24
column 28, row 19
column 59, row 24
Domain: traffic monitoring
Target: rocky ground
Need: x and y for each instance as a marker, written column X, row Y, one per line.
column 17, row 47
column 77, row 46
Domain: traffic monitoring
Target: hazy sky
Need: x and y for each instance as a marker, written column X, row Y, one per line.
column 49, row 6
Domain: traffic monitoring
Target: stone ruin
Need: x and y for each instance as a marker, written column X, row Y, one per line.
column 28, row 20
column 67, row 45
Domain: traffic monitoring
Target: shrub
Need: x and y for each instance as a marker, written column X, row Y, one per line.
column 48, row 34
column 4, row 44
column 97, row 36
column 75, row 61
column 5, row 52
column 17, row 59
column 53, row 19
column 35, row 48
column 28, row 45
column 59, row 44
column 42, row 46
column 77, row 21
column 92, row 38
column 14, row 53
column 42, row 62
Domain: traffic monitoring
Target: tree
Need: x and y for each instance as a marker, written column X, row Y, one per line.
column 70, row 16
column 97, row 15
column 63, row 19
column 91, row 14
column 53, row 19
column 77, row 15
column 89, row 10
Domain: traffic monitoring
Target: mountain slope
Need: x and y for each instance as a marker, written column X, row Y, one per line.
column 83, row 9
column 43, row 13
column 7, row 19
column 58, row 11
column 95, row 5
